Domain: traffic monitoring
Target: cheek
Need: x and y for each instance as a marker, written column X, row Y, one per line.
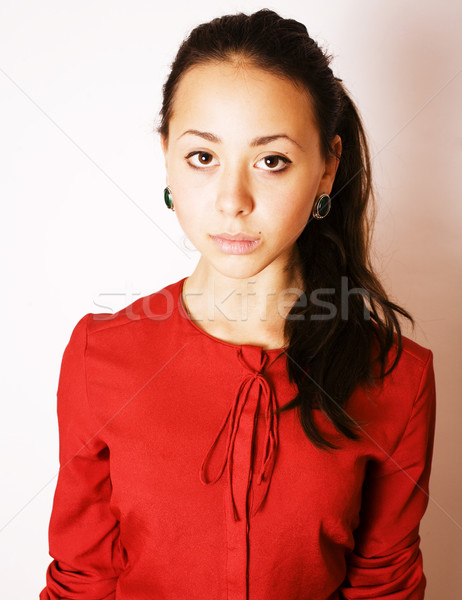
column 291, row 211
column 186, row 215
column 191, row 215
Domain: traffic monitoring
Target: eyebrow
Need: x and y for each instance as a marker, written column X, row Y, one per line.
column 258, row 141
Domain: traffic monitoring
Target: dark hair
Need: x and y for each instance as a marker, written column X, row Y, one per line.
column 327, row 357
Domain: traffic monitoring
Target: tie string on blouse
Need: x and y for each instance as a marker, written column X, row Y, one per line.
column 266, row 394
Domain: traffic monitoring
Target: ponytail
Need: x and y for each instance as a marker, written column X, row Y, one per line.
column 328, row 358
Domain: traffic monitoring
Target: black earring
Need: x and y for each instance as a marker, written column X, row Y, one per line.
column 168, row 198
column 322, row 206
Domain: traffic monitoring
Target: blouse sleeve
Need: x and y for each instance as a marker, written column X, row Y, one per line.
column 387, row 561
column 83, row 532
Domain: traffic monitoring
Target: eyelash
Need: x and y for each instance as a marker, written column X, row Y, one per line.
column 284, row 159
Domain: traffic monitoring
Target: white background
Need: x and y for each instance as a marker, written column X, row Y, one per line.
column 84, row 227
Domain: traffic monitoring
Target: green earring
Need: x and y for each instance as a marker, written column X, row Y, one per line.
column 322, row 206
column 168, row 198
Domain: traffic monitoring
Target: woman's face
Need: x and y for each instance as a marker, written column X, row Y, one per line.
column 243, row 157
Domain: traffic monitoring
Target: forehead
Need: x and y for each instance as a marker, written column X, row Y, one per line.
column 232, row 93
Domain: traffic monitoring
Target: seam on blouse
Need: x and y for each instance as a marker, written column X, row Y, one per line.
column 120, row 313
column 87, row 396
column 96, row 435
column 113, row 325
column 413, row 354
column 419, row 391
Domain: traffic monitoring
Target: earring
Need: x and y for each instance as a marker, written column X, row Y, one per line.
column 168, row 198
column 322, row 206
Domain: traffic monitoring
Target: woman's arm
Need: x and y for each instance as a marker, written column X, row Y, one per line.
column 387, row 561
column 83, row 532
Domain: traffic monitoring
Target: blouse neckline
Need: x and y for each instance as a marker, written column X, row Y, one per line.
column 187, row 317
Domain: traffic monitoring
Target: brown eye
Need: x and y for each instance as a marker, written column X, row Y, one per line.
column 204, row 158
column 274, row 162
column 198, row 159
column 271, row 161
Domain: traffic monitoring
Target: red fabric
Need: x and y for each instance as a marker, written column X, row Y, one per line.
column 177, row 481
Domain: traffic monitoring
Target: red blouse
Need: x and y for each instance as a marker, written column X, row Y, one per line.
column 178, row 481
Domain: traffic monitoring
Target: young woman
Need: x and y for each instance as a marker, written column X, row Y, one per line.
column 260, row 429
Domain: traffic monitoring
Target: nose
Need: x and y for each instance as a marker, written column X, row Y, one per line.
column 233, row 196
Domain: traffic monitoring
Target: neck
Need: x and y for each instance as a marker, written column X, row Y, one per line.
column 249, row 310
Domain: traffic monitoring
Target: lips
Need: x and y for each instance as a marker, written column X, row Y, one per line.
column 236, row 237
column 238, row 243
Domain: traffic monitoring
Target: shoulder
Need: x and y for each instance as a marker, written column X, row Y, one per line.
column 416, row 366
column 413, row 352
column 151, row 316
column 156, row 307
column 409, row 388
column 118, row 353
column 414, row 360
column 413, row 375
column 402, row 401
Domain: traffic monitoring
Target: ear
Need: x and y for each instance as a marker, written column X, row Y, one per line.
column 331, row 166
column 164, row 146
